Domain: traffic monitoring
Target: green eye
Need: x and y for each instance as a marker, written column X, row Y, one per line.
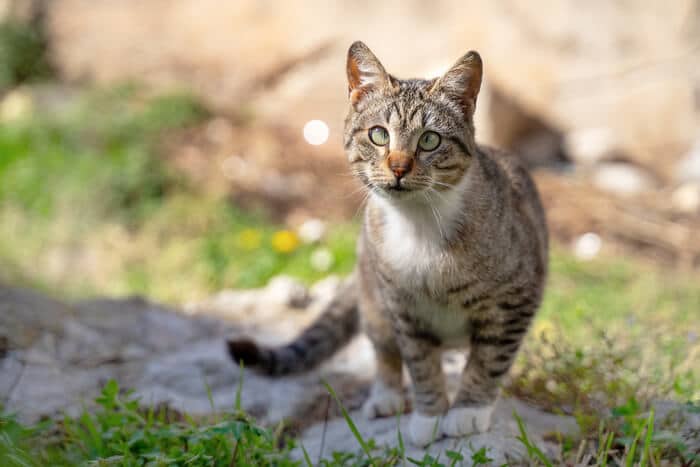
column 429, row 141
column 379, row 136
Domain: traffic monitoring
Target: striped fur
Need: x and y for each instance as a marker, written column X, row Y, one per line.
column 453, row 251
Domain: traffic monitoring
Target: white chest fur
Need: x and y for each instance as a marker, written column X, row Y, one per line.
column 413, row 239
column 413, row 236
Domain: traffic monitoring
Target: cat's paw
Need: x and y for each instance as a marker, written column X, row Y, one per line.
column 383, row 401
column 460, row 421
column 423, row 429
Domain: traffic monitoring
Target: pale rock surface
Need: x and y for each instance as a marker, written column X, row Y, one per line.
column 686, row 198
column 500, row 441
column 622, row 178
column 688, row 169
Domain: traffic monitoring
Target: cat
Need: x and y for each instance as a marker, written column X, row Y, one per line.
column 452, row 254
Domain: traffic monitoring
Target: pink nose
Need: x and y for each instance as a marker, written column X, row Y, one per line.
column 400, row 164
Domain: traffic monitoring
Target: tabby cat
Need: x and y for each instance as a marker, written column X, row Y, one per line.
column 452, row 254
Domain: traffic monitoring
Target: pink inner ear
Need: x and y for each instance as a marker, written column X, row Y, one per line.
column 354, row 74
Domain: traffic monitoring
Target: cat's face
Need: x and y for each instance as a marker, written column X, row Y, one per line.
column 410, row 138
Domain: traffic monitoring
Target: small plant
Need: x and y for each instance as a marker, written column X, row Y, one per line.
column 118, row 432
column 21, row 54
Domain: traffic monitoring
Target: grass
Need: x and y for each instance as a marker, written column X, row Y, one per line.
column 88, row 204
column 121, row 432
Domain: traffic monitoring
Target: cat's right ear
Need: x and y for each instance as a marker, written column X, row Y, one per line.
column 365, row 72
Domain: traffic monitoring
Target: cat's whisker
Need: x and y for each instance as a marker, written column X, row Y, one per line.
column 436, row 214
column 446, row 185
column 358, row 189
column 440, row 195
column 363, row 201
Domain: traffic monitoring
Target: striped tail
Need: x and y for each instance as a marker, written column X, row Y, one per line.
column 334, row 328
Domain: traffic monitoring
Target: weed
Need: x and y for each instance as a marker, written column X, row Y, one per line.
column 22, row 55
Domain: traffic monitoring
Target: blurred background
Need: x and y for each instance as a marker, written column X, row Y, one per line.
column 181, row 150
column 159, row 147
column 174, row 148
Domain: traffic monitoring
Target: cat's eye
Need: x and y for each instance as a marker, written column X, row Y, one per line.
column 379, row 136
column 429, row 141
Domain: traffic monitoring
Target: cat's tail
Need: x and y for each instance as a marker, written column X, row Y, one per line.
column 338, row 323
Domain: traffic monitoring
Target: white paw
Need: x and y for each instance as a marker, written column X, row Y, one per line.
column 423, row 429
column 460, row 421
column 383, row 401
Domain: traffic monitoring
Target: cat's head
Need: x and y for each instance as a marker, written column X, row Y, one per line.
column 409, row 137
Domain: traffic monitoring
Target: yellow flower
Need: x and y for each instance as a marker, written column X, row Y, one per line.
column 544, row 329
column 249, row 239
column 285, row 241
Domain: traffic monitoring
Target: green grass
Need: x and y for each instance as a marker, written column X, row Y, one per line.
column 120, row 432
column 88, row 205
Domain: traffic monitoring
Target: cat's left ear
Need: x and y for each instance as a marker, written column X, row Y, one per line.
column 365, row 72
column 462, row 82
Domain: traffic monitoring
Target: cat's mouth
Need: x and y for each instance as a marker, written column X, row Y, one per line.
column 399, row 191
column 397, row 187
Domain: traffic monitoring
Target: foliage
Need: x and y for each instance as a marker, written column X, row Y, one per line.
column 87, row 189
column 119, row 433
column 21, row 54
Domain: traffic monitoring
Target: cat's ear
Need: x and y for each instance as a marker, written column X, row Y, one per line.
column 365, row 72
column 463, row 81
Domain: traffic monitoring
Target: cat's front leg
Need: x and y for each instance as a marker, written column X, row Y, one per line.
column 495, row 340
column 422, row 356
column 386, row 396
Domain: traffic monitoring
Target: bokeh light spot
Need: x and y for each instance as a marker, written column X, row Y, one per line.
column 316, row 132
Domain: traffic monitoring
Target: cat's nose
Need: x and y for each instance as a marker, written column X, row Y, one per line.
column 400, row 164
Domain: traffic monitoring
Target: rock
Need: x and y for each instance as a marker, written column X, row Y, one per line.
column 321, row 440
column 688, row 168
column 622, row 178
column 587, row 246
column 588, row 146
column 686, row 198
column 682, row 420
column 502, row 121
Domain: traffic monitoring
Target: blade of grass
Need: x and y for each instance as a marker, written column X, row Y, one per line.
column 306, row 457
column 532, row 450
column 629, row 460
column 402, row 446
column 647, row 440
column 239, row 389
column 350, row 422
column 603, row 461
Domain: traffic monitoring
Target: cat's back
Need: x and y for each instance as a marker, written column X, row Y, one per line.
column 523, row 195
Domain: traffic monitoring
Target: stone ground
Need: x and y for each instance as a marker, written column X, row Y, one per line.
column 54, row 357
